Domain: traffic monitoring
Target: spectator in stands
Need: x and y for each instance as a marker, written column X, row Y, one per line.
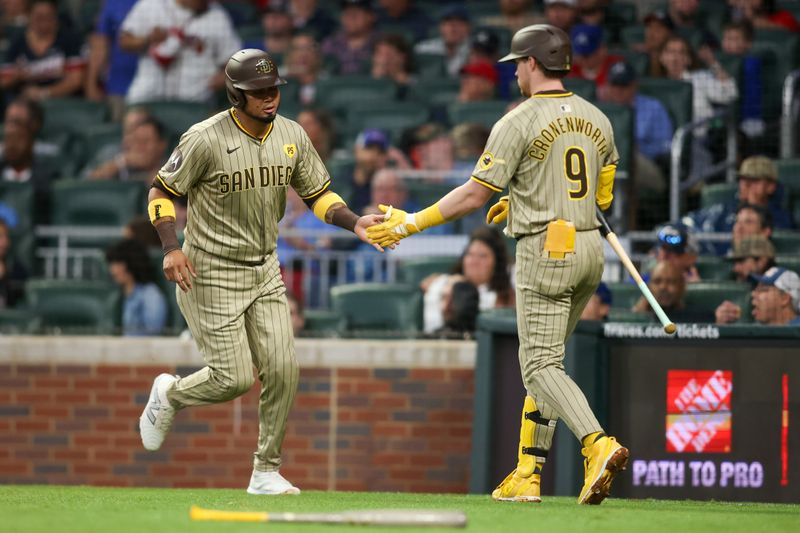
column 308, row 16
column 144, row 308
column 752, row 255
column 776, row 298
column 297, row 314
column 764, row 14
column 29, row 114
column 318, row 124
column 653, row 126
column 13, row 16
column 751, row 220
column 392, row 58
column 404, row 15
column 304, row 67
column 429, row 147
column 678, row 247
column 485, row 49
column 141, row 157
column 45, row 61
column 737, row 40
column 110, row 70
column 278, row 32
column 669, row 288
column 141, row 230
column 20, row 164
column 12, row 273
column 453, row 43
column 590, row 55
column 478, row 82
column 514, row 15
column 388, row 188
column 599, row 304
column 561, row 13
column 113, row 151
column 352, row 46
column 460, row 308
column 686, row 16
column 182, row 49
column 593, row 12
column 468, row 143
column 658, row 27
column 485, row 265
column 372, row 152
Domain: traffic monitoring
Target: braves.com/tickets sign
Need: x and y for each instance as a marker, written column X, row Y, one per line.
column 699, row 411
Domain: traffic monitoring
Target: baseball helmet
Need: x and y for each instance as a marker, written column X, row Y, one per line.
column 249, row 70
column 549, row 45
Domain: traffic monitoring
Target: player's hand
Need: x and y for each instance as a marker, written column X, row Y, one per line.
column 498, row 212
column 361, row 229
column 179, row 269
column 396, row 225
column 727, row 312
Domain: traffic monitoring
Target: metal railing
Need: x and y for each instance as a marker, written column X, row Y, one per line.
column 790, row 114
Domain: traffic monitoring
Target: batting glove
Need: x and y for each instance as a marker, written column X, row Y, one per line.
column 397, row 225
column 498, row 212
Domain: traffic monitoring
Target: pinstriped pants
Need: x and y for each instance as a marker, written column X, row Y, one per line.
column 239, row 317
column 551, row 295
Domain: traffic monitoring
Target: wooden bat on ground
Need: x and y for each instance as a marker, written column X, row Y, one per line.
column 611, row 237
column 377, row 517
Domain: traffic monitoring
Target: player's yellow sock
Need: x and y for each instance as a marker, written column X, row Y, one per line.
column 590, row 439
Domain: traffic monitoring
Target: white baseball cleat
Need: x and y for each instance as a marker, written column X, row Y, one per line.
column 270, row 483
column 156, row 419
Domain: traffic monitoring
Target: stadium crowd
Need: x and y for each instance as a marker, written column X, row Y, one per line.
column 398, row 97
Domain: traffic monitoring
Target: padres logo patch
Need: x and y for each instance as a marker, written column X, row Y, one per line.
column 486, row 161
column 264, row 66
column 290, row 149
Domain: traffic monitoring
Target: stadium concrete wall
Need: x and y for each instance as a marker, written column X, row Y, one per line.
column 369, row 415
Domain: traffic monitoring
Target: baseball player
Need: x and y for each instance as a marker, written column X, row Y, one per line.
column 235, row 168
column 555, row 152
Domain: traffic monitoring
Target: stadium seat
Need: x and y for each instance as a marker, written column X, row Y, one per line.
column 23, row 248
column 75, row 306
column 675, row 95
column 631, row 35
column 342, row 93
column 385, row 309
column 792, row 262
column 624, row 295
column 486, row 113
column 621, row 118
column 177, row 116
column 583, row 88
column 431, row 67
column 717, row 193
column 413, row 271
column 18, row 322
column 72, row 114
column 707, row 295
column 253, row 32
column 426, row 193
column 97, row 203
column 713, row 268
column 789, row 175
column 786, row 242
column 391, row 117
column 779, row 50
column 321, row 323
column 434, row 91
column 93, row 138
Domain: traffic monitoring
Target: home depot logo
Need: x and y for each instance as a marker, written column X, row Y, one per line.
column 698, row 411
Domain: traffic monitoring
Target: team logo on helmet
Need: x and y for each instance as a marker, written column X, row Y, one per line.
column 486, row 161
column 290, row 149
column 264, row 66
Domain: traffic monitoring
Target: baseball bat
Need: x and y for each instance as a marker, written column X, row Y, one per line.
column 378, row 517
column 611, row 237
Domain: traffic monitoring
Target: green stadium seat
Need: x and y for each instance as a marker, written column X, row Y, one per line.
column 430, row 67
column 707, row 295
column 626, row 315
column 786, row 241
column 717, row 193
column 383, row 309
column 342, row 93
column 779, row 50
column 391, row 117
column 486, row 113
column 583, row 88
column 624, row 295
column 434, row 91
column 621, row 118
column 792, row 262
column 97, row 203
column 413, row 271
column 93, row 138
column 713, row 268
column 23, row 248
column 253, row 32
column 789, row 175
column 72, row 114
column 631, row 35
column 79, row 307
column 675, row 95
column 19, row 197
column 18, row 322
column 177, row 116
column 321, row 323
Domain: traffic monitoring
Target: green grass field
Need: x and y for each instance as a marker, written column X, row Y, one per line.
column 51, row 509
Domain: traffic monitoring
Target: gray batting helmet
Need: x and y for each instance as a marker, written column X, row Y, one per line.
column 549, row 45
column 249, row 70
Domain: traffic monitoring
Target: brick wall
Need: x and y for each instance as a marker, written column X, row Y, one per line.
column 394, row 429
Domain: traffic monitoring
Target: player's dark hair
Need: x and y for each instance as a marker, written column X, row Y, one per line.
column 500, row 281
column 552, row 74
column 764, row 215
column 744, row 26
column 135, row 258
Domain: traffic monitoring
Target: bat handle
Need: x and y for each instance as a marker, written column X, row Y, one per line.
column 605, row 228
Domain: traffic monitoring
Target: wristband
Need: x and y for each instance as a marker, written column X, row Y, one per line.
column 430, row 216
column 160, row 208
column 324, row 203
column 169, row 239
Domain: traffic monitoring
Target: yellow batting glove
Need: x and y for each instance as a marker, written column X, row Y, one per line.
column 498, row 212
column 397, row 225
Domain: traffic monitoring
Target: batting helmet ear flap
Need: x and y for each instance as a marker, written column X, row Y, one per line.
column 235, row 96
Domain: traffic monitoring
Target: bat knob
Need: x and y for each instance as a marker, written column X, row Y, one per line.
column 670, row 328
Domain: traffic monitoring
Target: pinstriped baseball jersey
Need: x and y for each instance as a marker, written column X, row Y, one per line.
column 237, row 183
column 548, row 151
